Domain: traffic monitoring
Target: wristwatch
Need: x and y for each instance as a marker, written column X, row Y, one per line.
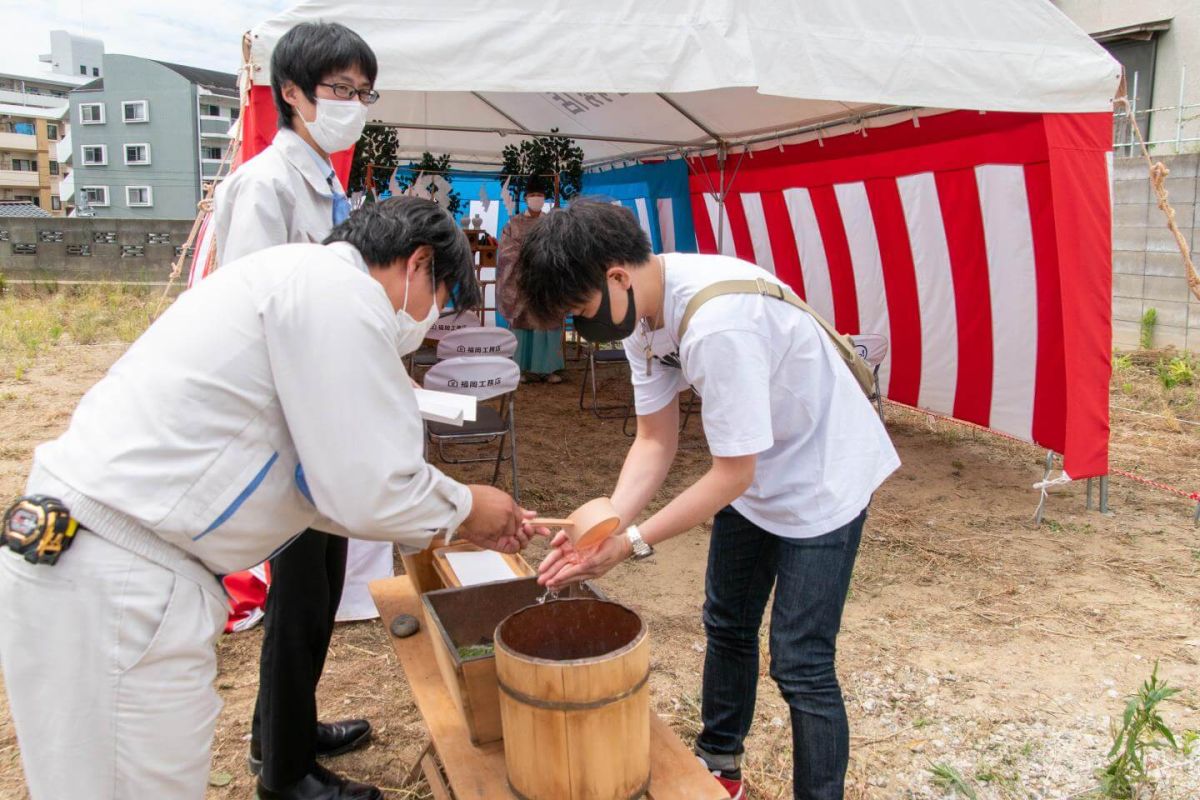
column 641, row 550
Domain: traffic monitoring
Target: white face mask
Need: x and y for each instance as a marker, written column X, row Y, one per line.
column 535, row 203
column 412, row 332
column 338, row 124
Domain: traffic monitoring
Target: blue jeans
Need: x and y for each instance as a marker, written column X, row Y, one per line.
column 811, row 578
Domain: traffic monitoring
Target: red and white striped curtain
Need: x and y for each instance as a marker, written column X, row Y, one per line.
column 958, row 239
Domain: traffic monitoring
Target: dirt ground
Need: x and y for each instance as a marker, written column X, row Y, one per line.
column 973, row 639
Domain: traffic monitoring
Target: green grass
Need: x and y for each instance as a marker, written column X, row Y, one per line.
column 1142, row 731
column 35, row 318
column 1178, row 371
column 947, row 777
column 1146, row 335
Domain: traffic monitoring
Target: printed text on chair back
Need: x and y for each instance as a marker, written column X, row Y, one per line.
column 451, row 321
column 484, row 377
column 472, row 342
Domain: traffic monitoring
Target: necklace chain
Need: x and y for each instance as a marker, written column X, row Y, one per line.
column 647, row 331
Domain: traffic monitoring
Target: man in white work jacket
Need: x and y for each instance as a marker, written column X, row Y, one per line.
column 270, row 398
column 322, row 77
column 797, row 451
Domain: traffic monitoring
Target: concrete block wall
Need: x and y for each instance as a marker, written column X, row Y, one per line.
column 1147, row 268
column 90, row 248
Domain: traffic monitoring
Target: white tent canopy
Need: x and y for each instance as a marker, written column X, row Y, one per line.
column 644, row 78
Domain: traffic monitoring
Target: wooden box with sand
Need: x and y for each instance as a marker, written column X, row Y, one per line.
column 462, row 622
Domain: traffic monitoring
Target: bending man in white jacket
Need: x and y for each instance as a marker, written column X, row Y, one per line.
column 267, row 398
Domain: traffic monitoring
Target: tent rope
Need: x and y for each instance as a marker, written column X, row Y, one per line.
column 1158, row 172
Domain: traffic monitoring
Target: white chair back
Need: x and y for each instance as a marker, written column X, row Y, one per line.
column 474, row 342
column 484, row 377
column 451, row 321
column 873, row 347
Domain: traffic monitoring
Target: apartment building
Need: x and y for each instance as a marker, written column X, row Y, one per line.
column 31, row 169
column 147, row 136
column 35, row 140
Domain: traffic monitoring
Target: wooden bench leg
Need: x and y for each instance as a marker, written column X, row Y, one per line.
column 415, row 771
column 426, row 766
column 433, row 776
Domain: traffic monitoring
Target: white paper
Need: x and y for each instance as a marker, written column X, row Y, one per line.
column 452, row 409
column 475, row 567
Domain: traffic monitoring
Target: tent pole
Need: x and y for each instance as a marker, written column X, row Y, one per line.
column 416, row 126
column 498, row 110
column 722, row 157
column 689, row 117
column 773, row 135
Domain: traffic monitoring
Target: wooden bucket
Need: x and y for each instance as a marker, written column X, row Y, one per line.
column 574, row 702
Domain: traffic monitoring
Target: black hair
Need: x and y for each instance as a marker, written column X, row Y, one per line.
column 568, row 252
column 393, row 229
column 538, row 184
column 309, row 53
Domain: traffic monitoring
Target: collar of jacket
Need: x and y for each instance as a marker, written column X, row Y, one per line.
column 305, row 160
column 349, row 253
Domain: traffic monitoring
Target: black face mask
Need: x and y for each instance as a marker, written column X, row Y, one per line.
column 600, row 327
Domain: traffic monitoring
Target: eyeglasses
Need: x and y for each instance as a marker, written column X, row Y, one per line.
column 344, row 91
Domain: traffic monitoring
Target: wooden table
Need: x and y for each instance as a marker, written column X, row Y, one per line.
column 478, row 773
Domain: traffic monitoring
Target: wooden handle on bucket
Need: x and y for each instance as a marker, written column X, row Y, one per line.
column 552, row 521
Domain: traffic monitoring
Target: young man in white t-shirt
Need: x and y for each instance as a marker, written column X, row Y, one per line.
column 797, row 451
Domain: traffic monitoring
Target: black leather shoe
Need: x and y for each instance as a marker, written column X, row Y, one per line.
column 320, row 784
column 333, row 739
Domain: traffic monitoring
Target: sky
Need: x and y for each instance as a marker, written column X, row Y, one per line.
column 198, row 33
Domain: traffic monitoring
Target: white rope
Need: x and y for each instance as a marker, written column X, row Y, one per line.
column 1044, row 487
column 1050, row 483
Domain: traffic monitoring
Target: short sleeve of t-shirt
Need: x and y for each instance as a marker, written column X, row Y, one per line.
column 731, row 369
column 653, row 389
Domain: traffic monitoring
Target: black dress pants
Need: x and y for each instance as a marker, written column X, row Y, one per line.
column 306, row 587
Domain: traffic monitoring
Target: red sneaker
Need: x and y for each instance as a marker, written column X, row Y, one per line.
column 736, row 792
column 734, row 787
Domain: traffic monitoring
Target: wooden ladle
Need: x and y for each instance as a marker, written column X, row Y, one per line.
column 588, row 525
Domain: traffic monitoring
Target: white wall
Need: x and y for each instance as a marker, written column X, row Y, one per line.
column 68, row 51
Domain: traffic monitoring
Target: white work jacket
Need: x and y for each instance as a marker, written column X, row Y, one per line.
column 268, row 399
column 283, row 194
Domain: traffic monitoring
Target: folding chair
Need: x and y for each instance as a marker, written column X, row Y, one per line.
column 473, row 342
column 596, row 356
column 488, row 378
column 569, row 334
column 873, row 347
column 448, row 322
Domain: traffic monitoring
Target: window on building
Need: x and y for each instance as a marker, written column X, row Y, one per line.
column 137, row 154
column 139, row 196
column 53, row 167
column 24, row 164
column 55, row 203
column 91, row 113
column 95, row 195
column 1136, row 48
column 52, row 131
column 210, row 110
column 234, row 113
column 211, row 153
column 95, row 72
column 27, row 128
column 82, row 69
column 135, row 110
column 95, row 155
